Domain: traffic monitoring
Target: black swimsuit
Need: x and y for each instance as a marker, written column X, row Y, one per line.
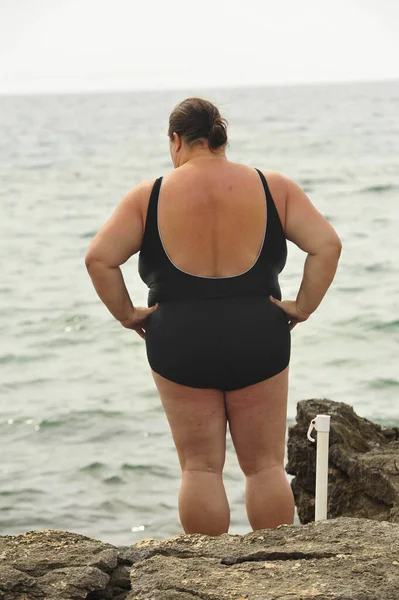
column 215, row 332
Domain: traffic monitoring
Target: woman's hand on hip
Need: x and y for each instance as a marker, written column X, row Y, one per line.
column 138, row 318
column 292, row 310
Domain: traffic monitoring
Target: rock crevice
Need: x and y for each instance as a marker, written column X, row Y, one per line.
column 277, row 556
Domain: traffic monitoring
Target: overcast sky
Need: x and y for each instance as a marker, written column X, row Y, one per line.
column 82, row 45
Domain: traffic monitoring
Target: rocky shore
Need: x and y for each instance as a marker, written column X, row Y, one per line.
column 343, row 559
column 338, row 559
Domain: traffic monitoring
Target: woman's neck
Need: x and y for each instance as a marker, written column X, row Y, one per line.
column 202, row 153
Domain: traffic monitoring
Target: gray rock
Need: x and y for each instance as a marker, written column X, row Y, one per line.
column 363, row 464
column 13, row 582
column 56, row 564
column 340, row 559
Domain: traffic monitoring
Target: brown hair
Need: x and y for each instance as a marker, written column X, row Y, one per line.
column 196, row 119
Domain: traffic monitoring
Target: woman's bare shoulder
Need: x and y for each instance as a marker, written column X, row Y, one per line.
column 141, row 189
column 276, row 178
column 283, row 188
column 138, row 195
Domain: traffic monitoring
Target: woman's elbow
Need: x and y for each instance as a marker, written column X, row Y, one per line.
column 332, row 250
column 329, row 251
column 91, row 255
column 338, row 246
column 335, row 246
column 88, row 261
column 92, row 261
column 97, row 263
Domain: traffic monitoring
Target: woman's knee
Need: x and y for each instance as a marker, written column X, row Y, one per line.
column 267, row 467
column 204, row 465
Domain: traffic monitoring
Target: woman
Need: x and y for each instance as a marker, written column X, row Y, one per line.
column 212, row 241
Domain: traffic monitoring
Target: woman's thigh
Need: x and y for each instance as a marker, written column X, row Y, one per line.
column 257, row 420
column 197, row 418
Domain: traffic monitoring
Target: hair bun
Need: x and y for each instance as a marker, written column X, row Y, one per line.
column 218, row 133
column 197, row 120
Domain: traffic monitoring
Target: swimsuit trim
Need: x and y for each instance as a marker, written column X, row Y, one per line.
column 211, row 277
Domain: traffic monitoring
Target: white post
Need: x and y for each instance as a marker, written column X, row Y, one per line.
column 322, row 425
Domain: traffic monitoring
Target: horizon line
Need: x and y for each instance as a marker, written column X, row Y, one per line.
column 210, row 87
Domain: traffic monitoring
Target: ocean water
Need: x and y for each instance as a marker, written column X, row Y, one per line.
column 85, row 444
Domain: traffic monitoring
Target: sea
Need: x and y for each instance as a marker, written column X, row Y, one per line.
column 85, row 444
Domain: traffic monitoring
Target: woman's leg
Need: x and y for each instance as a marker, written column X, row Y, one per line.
column 198, row 420
column 257, row 422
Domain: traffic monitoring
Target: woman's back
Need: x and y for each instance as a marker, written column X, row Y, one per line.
column 212, row 216
column 204, row 287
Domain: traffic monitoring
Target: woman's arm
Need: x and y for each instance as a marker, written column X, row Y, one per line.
column 312, row 233
column 112, row 246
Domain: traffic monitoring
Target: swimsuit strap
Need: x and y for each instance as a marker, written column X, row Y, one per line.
column 272, row 213
column 151, row 235
column 275, row 244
